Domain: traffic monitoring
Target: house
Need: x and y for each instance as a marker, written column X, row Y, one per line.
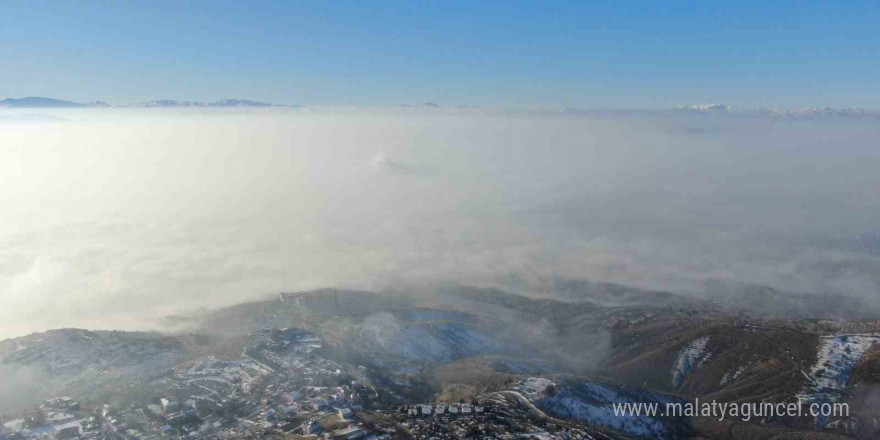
column 62, row 402
column 169, row 404
column 311, row 427
column 190, row 413
column 350, row 433
column 57, row 418
column 14, row 425
column 426, row 409
column 174, row 418
column 68, row 430
column 269, row 415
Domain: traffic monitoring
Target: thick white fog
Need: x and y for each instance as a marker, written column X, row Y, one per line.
column 113, row 218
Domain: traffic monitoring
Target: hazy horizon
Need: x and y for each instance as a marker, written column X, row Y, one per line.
column 117, row 217
column 186, row 104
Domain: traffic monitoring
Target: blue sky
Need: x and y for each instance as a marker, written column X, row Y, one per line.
column 637, row 54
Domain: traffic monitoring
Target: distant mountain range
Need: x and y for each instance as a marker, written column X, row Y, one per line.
column 730, row 110
column 806, row 111
column 221, row 103
column 39, row 102
column 697, row 109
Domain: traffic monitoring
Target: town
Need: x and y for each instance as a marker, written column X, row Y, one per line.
column 279, row 388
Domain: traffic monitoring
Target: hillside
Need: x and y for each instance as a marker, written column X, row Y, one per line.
column 569, row 359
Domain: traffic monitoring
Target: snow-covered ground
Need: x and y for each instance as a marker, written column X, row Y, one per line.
column 534, row 388
column 836, row 357
column 439, row 340
column 690, row 358
column 592, row 402
column 731, row 376
column 82, row 362
column 221, row 376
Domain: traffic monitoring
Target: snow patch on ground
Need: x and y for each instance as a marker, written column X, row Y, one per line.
column 221, row 377
column 439, row 341
column 690, row 358
column 836, row 357
column 592, row 402
column 731, row 376
column 534, row 388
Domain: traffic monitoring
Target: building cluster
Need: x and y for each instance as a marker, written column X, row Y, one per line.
column 281, row 387
column 439, row 409
column 495, row 417
column 54, row 418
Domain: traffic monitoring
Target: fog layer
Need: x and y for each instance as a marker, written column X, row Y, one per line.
column 113, row 218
